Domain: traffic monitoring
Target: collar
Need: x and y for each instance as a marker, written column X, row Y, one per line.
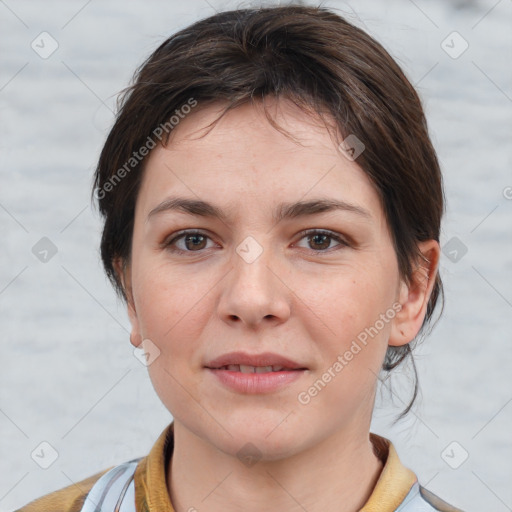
column 151, row 493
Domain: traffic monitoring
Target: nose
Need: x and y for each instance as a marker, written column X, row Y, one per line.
column 254, row 292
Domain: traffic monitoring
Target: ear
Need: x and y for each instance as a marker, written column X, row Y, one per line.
column 414, row 297
column 124, row 274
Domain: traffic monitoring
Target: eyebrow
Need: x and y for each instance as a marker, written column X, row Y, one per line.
column 284, row 210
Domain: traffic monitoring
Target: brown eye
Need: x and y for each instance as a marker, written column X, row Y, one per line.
column 195, row 241
column 320, row 241
column 191, row 241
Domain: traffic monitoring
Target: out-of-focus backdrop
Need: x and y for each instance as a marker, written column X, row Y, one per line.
column 69, row 378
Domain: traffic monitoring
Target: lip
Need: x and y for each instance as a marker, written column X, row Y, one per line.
column 263, row 359
column 256, row 383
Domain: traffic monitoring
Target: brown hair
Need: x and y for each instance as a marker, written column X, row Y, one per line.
column 321, row 62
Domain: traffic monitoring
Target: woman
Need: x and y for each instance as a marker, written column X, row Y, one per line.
column 272, row 206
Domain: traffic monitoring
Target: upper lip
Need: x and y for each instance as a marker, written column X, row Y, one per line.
column 263, row 359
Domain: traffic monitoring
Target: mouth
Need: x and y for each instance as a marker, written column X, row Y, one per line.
column 245, row 373
column 244, row 362
column 242, row 368
column 255, row 380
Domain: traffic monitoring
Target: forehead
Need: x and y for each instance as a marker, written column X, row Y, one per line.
column 245, row 161
column 262, row 118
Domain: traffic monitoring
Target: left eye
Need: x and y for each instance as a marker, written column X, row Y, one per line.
column 322, row 239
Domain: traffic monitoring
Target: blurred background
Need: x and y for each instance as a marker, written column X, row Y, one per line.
column 75, row 400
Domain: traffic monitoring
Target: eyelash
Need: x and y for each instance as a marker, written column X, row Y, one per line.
column 169, row 244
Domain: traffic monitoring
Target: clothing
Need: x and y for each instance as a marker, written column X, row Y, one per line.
column 143, row 480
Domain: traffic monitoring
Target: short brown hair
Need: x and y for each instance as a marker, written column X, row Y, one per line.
column 321, row 62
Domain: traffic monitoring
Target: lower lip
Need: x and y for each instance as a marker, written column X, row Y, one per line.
column 253, row 383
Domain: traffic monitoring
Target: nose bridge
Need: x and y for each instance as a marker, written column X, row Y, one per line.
column 251, row 260
column 252, row 291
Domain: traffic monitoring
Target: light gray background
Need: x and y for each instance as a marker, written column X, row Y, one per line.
column 68, row 373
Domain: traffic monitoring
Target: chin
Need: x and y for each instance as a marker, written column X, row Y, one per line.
column 262, row 436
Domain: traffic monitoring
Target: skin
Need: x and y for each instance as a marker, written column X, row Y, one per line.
column 305, row 299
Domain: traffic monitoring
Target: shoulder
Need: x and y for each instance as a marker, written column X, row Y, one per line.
column 68, row 499
column 113, row 485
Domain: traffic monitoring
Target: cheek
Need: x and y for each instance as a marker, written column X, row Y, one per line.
column 173, row 315
column 347, row 301
column 352, row 339
column 169, row 301
column 173, row 308
column 350, row 316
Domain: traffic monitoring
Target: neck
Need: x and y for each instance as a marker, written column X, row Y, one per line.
column 336, row 475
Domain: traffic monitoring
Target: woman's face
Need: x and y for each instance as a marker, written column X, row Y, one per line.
column 252, row 281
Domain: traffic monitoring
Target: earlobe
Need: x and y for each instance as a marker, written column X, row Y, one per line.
column 414, row 296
